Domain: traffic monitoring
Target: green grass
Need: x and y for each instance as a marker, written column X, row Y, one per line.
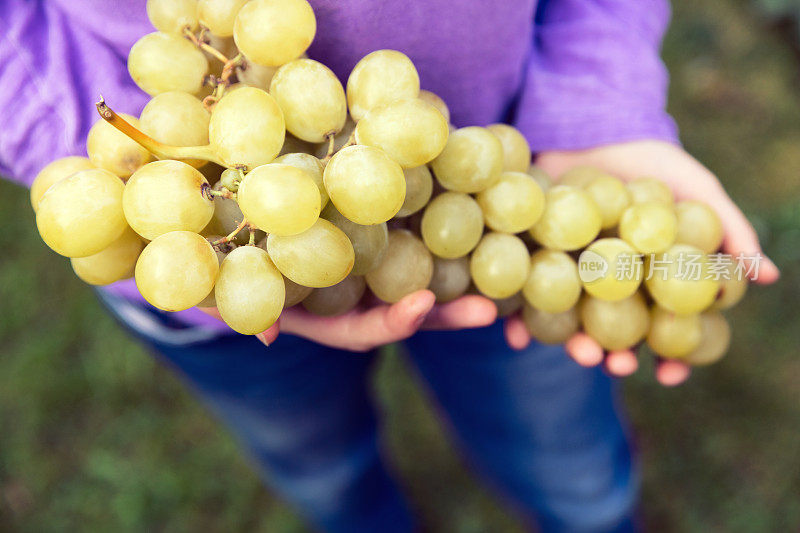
column 96, row 436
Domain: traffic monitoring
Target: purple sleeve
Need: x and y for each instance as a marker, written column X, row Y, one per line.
column 595, row 76
column 56, row 57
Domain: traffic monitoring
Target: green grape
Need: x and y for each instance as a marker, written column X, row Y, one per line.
column 339, row 140
column 274, row 32
column 226, row 218
column 221, row 251
column 410, row 131
column 649, row 227
column 513, row 204
column 541, row 177
column 553, row 284
column 111, row 264
column 611, row 197
column 451, row 278
column 321, row 256
column 419, row 189
column 436, row 101
column 247, row 128
column 452, row 225
column 55, row 172
column 472, row 160
column 500, row 265
column 406, row 267
column 550, row 328
column 279, row 199
column 580, row 176
column 165, row 196
column 678, row 279
column 369, row 242
column 615, row 325
column 645, row 190
column 176, row 119
column 624, row 269
column 508, row 306
column 671, row 335
column 312, row 99
column 176, row 270
column 715, row 339
column 161, row 62
column 172, row 16
column 249, row 291
column 732, row 287
column 699, row 226
column 219, row 15
column 255, row 75
column 337, row 299
column 570, row 220
column 112, row 150
column 516, row 150
column 365, row 185
column 379, row 78
column 310, row 164
column 295, row 293
column 82, row 214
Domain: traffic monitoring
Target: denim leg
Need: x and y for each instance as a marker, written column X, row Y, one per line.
column 545, row 431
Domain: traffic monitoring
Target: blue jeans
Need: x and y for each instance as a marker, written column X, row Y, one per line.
column 543, row 431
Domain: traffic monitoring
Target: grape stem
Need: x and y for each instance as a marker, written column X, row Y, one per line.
column 229, row 237
column 252, row 241
column 331, row 137
column 204, row 46
column 160, row 150
column 211, row 193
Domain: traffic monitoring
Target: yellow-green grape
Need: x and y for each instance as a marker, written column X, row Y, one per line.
column 176, row 270
column 580, row 176
column 508, row 306
column 114, row 151
column 111, row 264
column 321, row 256
column 161, row 62
column 406, row 267
column 249, row 290
column 337, row 299
column 219, row 15
column 274, row 32
column 672, row 335
column 541, row 177
column 295, row 293
column 82, row 214
column 553, row 284
column 369, row 242
column 339, row 140
column 410, row 131
column 472, row 160
column 379, row 78
column 732, row 287
column 451, row 278
column 365, row 185
column 699, row 226
column 255, row 75
column 226, row 218
column 165, row 196
column 610, row 269
column 172, row 16
column 310, row 164
column 312, row 99
column 715, row 338
column 649, row 227
column 645, row 190
column 680, row 279
column 279, row 199
column 516, row 150
column 571, row 220
column 436, row 101
column 222, row 251
column 615, row 325
column 513, row 204
column 55, row 172
column 550, row 328
column 419, row 188
column 500, row 265
column 452, row 225
column 611, row 197
column 176, row 119
column 247, row 128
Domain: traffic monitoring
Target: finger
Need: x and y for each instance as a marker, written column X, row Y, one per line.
column 584, row 350
column 741, row 241
column 621, row 363
column 517, row 335
column 469, row 311
column 269, row 335
column 671, row 373
column 211, row 311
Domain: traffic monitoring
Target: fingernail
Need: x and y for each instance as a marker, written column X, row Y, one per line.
column 263, row 339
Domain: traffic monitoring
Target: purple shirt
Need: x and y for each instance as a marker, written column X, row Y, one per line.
column 568, row 73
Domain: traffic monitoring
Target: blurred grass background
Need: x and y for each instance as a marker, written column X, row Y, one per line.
column 95, row 436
